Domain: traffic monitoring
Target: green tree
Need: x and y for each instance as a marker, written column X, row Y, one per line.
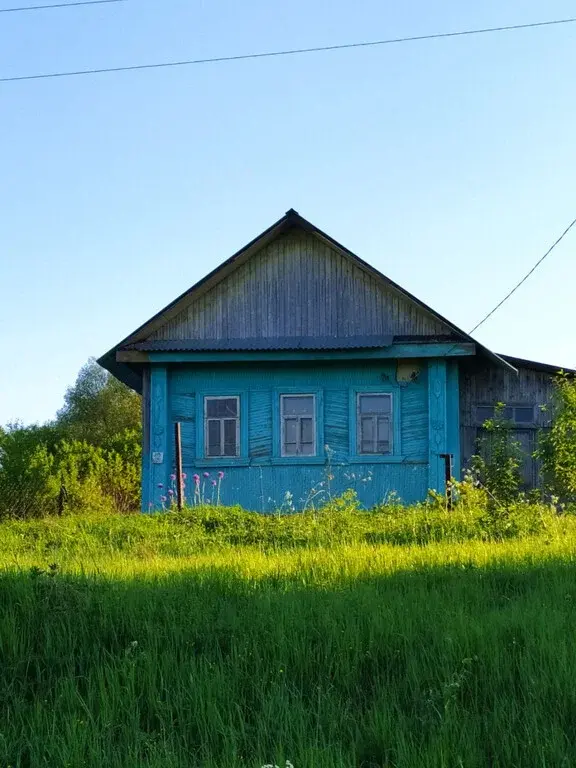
column 99, row 409
column 499, row 459
column 557, row 446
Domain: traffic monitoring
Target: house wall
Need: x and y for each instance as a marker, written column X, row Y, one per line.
column 484, row 385
column 426, row 418
column 299, row 286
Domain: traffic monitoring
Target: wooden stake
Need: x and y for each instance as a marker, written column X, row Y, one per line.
column 179, row 478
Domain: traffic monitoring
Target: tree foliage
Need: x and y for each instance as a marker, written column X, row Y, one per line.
column 87, row 458
column 98, row 408
column 557, row 448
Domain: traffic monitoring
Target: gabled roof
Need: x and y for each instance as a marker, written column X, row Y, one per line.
column 291, row 220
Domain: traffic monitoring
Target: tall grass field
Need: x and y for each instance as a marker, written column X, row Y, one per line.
column 216, row 639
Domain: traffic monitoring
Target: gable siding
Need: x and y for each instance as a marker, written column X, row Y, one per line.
column 299, row 286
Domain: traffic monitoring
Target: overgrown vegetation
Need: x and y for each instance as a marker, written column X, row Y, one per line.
column 557, row 449
column 88, row 458
column 126, row 644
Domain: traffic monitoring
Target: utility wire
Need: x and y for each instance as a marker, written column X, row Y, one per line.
column 526, row 276
column 289, row 52
column 58, row 5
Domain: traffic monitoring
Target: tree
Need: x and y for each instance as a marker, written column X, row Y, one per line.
column 99, row 409
column 557, row 446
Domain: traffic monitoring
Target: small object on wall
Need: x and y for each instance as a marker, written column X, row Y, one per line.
column 157, row 457
column 407, row 370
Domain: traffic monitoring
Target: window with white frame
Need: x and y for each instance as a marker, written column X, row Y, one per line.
column 221, row 426
column 374, row 423
column 298, row 417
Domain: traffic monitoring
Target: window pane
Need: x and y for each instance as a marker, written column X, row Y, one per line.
column 307, row 449
column 375, row 403
column 524, row 414
column 221, row 407
column 306, row 431
column 383, row 436
column 367, row 428
column 484, row 412
column 213, row 438
column 230, row 437
column 291, row 430
column 298, row 405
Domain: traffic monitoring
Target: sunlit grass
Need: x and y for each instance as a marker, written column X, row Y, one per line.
column 137, row 650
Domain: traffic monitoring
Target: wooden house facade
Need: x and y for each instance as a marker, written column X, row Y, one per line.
column 298, row 370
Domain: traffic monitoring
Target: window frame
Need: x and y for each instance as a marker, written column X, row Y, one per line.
column 201, row 427
column 278, row 456
column 375, row 417
column 283, row 420
column 221, row 420
column 396, row 456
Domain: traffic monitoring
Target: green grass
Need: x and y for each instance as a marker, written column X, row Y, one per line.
column 155, row 642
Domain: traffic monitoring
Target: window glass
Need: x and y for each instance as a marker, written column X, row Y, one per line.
column 298, row 425
column 374, row 424
column 524, row 414
column 221, row 428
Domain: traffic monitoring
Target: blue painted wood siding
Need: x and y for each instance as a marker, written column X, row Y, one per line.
column 262, row 481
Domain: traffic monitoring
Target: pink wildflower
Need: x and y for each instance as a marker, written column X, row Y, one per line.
column 196, row 478
column 160, row 485
column 172, row 477
column 220, row 475
column 214, row 482
column 183, row 475
column 162, row 499
column 206, row 474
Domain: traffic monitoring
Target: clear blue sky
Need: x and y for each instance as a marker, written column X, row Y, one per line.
column 449, row 165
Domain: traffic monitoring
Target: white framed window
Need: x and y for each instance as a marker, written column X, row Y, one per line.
column 374, row 423
column 298, row 425
column 221, row 426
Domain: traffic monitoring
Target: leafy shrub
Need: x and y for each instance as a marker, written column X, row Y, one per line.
column 557, row 446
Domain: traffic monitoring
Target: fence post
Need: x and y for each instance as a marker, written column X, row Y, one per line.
column 448, row 473
column 179, row 478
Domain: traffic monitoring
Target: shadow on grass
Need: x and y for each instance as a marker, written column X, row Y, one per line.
column 451, row 666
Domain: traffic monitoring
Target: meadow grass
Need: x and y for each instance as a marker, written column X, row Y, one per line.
column 129, row 642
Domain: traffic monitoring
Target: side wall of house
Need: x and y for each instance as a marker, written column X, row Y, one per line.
column 425, row 425
column 486, row 386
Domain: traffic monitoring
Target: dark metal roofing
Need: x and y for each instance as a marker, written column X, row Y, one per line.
column 520, row 362
column 246, row 345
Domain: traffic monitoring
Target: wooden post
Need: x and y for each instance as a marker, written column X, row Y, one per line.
column 448, row 472
column 179, row 478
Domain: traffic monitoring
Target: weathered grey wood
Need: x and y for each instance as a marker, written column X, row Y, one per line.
column 490, row 385
column 299, row 286
column 131, row 356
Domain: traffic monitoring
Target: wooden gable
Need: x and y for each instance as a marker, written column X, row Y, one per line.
column 299, row 286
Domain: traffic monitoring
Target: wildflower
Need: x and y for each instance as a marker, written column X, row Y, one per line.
column 160, row 485
column 206, row 474
column 172, row 477
column 220, row 475
column 162, row 499
column 150, row 504
column 196, row 478
column 183, row 475
column 214, row 482
column 170, row 492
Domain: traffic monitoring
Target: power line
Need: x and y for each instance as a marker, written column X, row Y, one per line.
column 526, row 276
column 58, row 5
column 289, row 52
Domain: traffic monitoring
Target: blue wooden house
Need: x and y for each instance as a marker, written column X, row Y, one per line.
column 297, row 369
